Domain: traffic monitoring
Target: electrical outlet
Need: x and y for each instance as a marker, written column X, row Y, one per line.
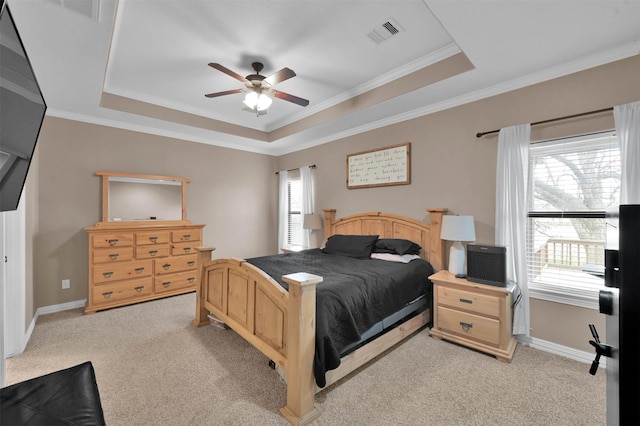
column 66, row 284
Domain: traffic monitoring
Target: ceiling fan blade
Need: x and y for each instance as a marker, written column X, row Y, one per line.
column 282, row 75
column 227, row 92
column 227, row 71
column 287, row 97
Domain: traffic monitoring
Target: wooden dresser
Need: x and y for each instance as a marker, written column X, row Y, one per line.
column 134, row 264
column 134, row 260
column 476, row 315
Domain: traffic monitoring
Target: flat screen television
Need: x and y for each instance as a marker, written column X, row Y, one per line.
column 22, row 110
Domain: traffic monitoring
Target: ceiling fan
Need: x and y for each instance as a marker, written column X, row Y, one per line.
column 259, row 87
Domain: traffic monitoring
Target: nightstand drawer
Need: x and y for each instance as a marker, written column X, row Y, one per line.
column 468, row 301
column 469, row 325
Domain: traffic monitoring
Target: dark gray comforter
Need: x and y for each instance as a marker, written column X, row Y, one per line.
column 355, row 294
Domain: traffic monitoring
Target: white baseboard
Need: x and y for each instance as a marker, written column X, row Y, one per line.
column 564, row 351
column 47, row 310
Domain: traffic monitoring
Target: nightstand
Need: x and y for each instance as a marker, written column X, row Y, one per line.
column 475, row 315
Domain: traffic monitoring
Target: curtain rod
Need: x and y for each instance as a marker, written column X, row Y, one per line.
column 313, row 166
column 481, row 134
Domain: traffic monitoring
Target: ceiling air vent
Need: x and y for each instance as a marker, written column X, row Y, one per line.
column 385, row 30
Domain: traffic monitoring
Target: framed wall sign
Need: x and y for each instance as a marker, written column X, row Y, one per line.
column 386, row 166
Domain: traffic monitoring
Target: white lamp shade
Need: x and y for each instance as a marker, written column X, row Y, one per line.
column 312, row 221
column 458, row 228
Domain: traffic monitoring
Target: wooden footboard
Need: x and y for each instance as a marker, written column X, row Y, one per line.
column 281, row 324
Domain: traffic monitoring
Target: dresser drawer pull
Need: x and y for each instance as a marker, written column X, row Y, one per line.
column 191, row 262
column 107, row 294
column 466, row 326
column 153, row 252
column 191, row 279
column 466, row 301
column 153, row 239
column 139, row 288
column 166, row 284
column 113, row 242
column 187, row 249
column 166, row 266
column 107, row 274
column 113, row 256
column 186, row 236
column 139, row 270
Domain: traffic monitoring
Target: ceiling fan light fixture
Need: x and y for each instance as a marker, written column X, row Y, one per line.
column 260, row 102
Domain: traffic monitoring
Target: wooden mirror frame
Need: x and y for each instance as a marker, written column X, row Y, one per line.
column 105, row 195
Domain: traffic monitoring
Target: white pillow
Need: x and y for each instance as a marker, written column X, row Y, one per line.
column 404, row 258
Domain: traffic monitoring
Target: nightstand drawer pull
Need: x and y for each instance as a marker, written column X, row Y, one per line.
column 466, row 326
column 466, row 301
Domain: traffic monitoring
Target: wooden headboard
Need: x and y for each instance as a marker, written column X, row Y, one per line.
column 393, row 226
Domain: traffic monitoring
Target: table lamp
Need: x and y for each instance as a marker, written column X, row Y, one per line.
column 312, row 221
column 457, row 229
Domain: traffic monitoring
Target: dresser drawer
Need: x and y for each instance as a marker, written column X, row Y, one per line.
column 115, row 239
column 121, row 271
column 190, row 234
column 469, row 325
column 178, row 249
column 115, row 254
column 152, row 237
column 109, row 293
column 181, row 280
column 151, row 252
column 176, row 264
column 468, row 301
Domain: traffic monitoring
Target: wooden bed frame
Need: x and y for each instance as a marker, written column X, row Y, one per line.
column 281, row 324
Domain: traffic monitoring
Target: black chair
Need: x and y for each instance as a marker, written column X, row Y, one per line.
column 65, row 397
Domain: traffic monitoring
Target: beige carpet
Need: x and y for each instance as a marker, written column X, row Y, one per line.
column 154, row 368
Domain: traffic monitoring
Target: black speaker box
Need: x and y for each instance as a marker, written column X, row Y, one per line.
column 487, row 264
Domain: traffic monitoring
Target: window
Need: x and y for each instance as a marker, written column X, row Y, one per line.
column 294, row 210
column 573, row 182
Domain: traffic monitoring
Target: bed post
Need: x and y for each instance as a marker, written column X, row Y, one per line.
column 329, row 218
column 436, row 244
column 301, row 329
column 204, row 256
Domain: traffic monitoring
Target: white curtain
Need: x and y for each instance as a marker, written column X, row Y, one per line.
column 282, row 209
column 307, row 201
column 627, row 118
column 511, row 214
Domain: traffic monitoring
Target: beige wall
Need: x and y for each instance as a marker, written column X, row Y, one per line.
column 228, row 193
column 235, row 193
column 452, row 168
